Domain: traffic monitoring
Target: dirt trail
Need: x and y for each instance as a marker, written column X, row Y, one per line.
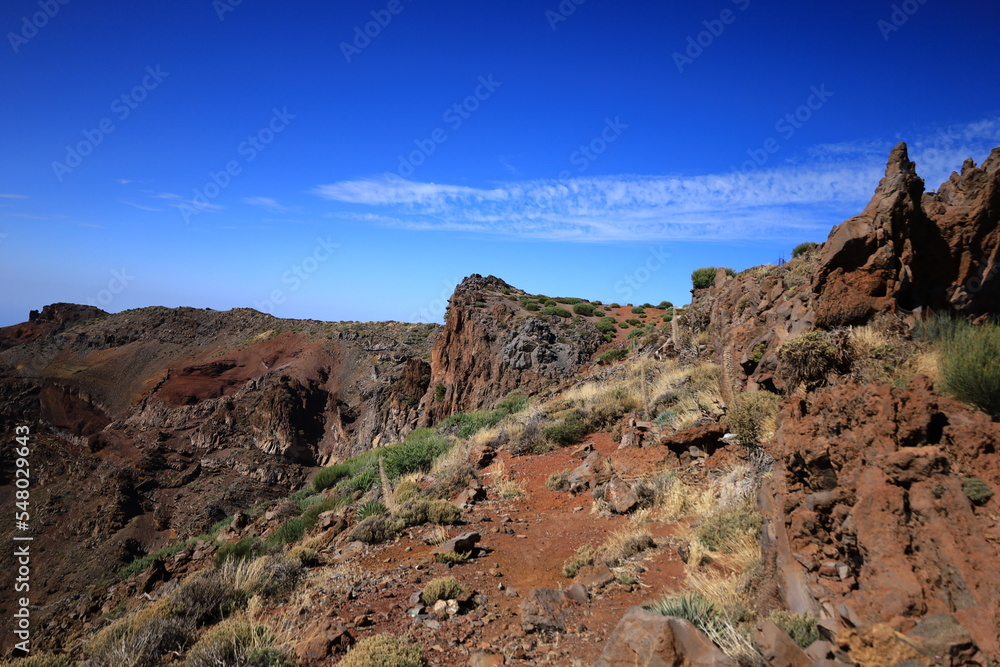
column 527, row 540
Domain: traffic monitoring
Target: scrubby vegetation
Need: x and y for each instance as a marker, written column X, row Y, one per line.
column 801, row 628
column 751, row 416
column 803, row 248
column 384, row 650
column 970, row 365
column 806, row 359
column 976, row 490
column 705, row 277
column 443, row 588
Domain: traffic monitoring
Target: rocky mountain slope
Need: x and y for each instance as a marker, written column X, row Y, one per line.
column 801, row 498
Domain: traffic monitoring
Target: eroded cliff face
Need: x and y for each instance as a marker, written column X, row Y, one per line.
column 868, row 484
column 491, row 346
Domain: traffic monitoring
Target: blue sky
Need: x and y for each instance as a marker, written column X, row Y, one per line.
column 273, row 155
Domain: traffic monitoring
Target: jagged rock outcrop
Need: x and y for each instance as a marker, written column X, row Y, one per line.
column 908, row 251
column 492, row 346
column 871, row 506
column 911, row 249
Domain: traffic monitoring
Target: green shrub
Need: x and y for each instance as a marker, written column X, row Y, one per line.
column 435, row 510
column 439, row 392
column 970, row 366
column 376, row 529
column 665, row 418
column 800, row 627
column 532, row 306
column 705, row 277
column 452, row 557
column 555, row 310
column 722, row 531
column 138, row 642
column 693, row 608
column 570, row 300
column 311, row 515
column 639, row 310
column 612, row 356
column 383, row 650
column 803, row 248
column 807, row 358
column 584, row 556
column 442, row 588
column 246, row 548
column 237, row 643
column 584, row 309
column 615, row 305
column 668, row 316
column 467, row 424
column 751, row 415
column 288, row 533
column 665, row 304
column 373, row 508
column 566, row 433
column 976, row 490
column 329, row 476
column 606, row 325
column 513, row 404
column 623, row 325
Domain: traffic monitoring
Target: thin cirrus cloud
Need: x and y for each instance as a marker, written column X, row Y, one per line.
column 264, row 202
column 830, row 182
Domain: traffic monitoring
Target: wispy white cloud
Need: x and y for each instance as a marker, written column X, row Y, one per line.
column 140, row 206
column 264, row 202
column 831, row 182
column 124, row 181
column 10, row 196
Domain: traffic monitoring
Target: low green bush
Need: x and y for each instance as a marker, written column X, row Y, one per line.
column 329, row 476
column 612, row 356
column 723, row 531
column 807, row 358
column 584, row 309
column 606, row 325
column 665, row 304
column 384, row 650
column 442, row 588
column 245, row 549
column 802, row 628
column 555, row 310
column 705, row 277
column 750, row 415
column 976, row 490
column 803, row 248
column 639, row 310
column 566, row 433
column 970, row 366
